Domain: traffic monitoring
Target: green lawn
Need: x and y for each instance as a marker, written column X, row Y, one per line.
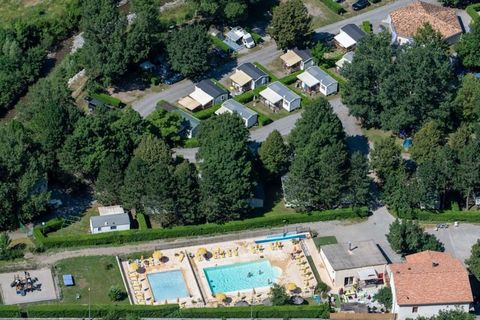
column 96, row 273
column 177, row 15
column 259, row 107
column 376, row 135
column 82, row 226
column 322, row 241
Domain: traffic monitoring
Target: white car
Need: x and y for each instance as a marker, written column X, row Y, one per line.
column 247, row 40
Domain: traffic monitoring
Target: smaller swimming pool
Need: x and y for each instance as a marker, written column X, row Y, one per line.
column 167, row 285
column 281, row 237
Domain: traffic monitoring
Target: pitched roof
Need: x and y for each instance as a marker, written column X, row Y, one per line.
column 103, row 211
column 290, row 58
column 408, row 19
column 252, row 71
column 241, row 78
column 321, row 76
column 363, row 254
column 110, row 220
column 353, row 31
column 235, row 106
column 209, row 87
column 283, row 91
column 431, row 277
column 305, row 55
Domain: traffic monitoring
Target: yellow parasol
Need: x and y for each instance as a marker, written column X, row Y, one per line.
column 221, row 296
column 291, row 286
column 133, row 266
column 201, row 252
column 157, row 255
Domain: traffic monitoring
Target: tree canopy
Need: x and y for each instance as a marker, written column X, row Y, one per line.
column 407, row 237
column 473, row 262
column 274, row 155
column 469, row 46
column 291, row 24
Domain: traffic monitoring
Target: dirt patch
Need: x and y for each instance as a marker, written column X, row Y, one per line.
column 31, row 3
column 313, row 9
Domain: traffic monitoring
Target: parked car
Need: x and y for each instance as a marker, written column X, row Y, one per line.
column 247, row 41
column 360, row 4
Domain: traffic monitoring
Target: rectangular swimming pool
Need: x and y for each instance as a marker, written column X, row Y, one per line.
column 241, row 276
column 282, row 237
column 168, row 285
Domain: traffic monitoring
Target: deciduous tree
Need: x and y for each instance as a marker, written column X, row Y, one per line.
column 274, row 155
column 291, row 24
column 469, row 46
column 385, row 158
column 358, row 180
column 473, row 262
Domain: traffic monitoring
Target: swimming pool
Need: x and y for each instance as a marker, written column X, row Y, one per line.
column 167, row 285
column 241, row 276
column 281, row 237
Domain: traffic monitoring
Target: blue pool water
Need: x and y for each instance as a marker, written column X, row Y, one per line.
column 281, row 237
column 241, row 276
column 168, row 285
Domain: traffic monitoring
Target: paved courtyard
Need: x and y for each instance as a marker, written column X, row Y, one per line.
column 45, row 279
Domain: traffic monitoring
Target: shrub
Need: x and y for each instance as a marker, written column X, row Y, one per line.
column 246, row 97
column 278, row 295
column 9, row 311
column 191, row 143
column 263, row 120
column 384, row 296
column 116, row 294
column 291, row 78
column 472, row 11
column 142, row 221
column 155, row 81
column 217, row 42
column 448, row 216
column 334, row 6
column 367, row 26
column 206, row 113
column 283, row 312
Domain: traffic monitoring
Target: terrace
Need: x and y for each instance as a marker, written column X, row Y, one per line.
column 230, row 273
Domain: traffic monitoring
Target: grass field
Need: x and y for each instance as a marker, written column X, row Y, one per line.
column 96, row 273
column 82, row 226
column 259, row 107
column 177, row 15
column 322, row 241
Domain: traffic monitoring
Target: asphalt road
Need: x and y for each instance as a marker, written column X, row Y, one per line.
column 263, row 55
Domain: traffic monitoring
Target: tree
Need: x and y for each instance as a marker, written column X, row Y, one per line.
column 317, row 115
column 407, row 237
column 358, row 181
column 166, row 124
column 104, row 53
column 229, row 11
column 468, row 99
column 467, row 173
column 291, row 24
column 274, row 155
column 384, row 296
column 372, row 63
column 426, row 143
column 109, row 181
column 318, row 53
column 427, row 36
column 187, row 193
column 153, row 150
column 278, row 295
column 187, row 50
column 450, row 315
column 116, row 294
column 469, row 46
column 400, row 192
column 225, row 167
column 385, row 158
column 473, row 262
column 143, row 35
column 135, row 184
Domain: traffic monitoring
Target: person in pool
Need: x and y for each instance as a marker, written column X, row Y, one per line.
column 250, row 275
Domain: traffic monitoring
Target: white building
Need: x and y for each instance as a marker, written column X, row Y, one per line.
column 277, row 96
column 346, row 59
column 112, row 218
column 207, row 93
column 315, row 79
column 297, row 59
column 248, row 116
column 349, row 36
column 428, row 282
column 248, row 77
column 359, row 263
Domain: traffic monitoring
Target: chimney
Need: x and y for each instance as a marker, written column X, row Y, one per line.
column 349, row 246
column 434, row 264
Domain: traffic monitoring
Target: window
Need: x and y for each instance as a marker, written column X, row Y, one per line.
column 414, row 309
column 348, row 281
column 113, row 228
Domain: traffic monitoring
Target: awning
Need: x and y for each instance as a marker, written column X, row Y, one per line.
column 189, row 103
column 240, row 78
column 290, row 58
column 271, row 96
column 201, row 97
column 308, row 79
column 367, row 274
column 344, row 40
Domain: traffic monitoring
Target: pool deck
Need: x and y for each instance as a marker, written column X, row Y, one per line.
column 286, row 255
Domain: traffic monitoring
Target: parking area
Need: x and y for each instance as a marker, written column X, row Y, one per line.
column 41, row 279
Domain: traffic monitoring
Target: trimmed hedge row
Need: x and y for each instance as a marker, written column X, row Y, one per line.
column 9, row 311
column 97, row 311
column 447, row 216
column 206, row 113
column 284, row 312
column 291, row 78
column 263, row 120
column 195, row 230
column 142, row 221
column 472, row 11
column 334, row 6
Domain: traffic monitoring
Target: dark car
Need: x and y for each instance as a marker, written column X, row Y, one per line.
column 360, row 4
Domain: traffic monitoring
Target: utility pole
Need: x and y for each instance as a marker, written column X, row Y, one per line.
column 89, row 307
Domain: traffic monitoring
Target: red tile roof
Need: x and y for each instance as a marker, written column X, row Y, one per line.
column 408, row 19
column 431, row 277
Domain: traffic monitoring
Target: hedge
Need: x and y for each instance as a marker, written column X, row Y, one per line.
column 291, row 78
column 9, row 311
column 263, row 120
column 128, row 236
column 367, row 26
column 105, row 98
column 207, row 113
column 142, row 222
column 334, row 6
column 447, row 216
column 282, row 312
column 472, row 11
column 97, row 311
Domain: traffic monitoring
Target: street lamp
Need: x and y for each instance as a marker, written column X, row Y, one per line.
column 89, row 308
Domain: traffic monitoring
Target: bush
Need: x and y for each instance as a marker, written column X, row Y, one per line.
column 291, row 78
column 107, row 99
column 334, row 6
column 116, row 294
column 448, row 216
column 472, row 11
column 384, row 296
column 263, row 120
column 217, row 42
column 282, row 312
column 206, row 113
column 142, row 221
column 155, row 81
column 367, row 26
column 9, row 311
column 246, row 97
column 191, row 143
column 193, row 230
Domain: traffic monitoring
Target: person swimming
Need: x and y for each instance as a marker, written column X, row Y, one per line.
column 260, row 272
column 250, row 275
